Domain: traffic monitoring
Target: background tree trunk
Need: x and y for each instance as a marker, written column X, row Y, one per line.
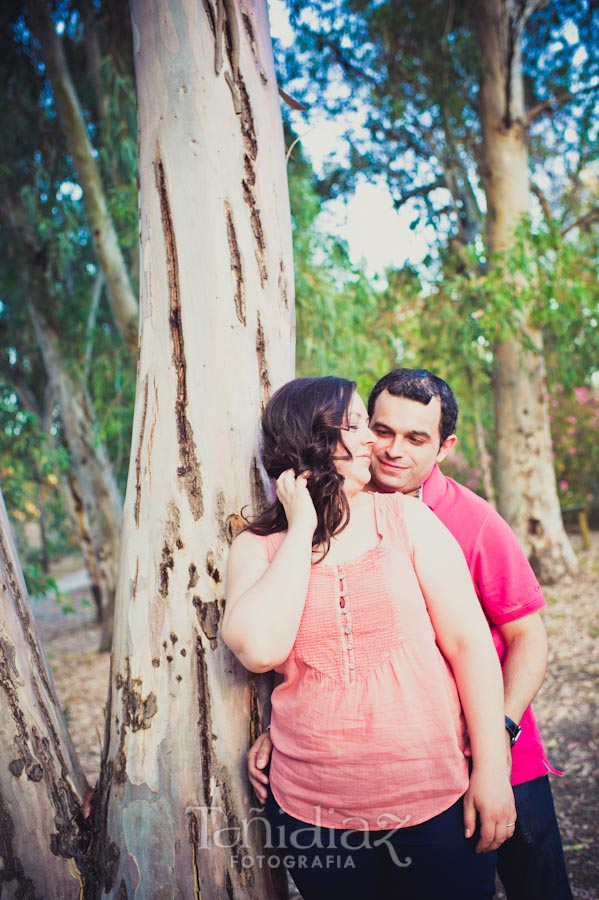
column 216, row 335
column 526, row 483
column 96, row 499
column 122, row 300
column 41, row 782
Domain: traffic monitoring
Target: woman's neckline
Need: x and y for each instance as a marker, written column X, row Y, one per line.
column 355, row 560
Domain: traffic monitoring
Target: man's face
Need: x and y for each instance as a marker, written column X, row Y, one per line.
column 407, row 443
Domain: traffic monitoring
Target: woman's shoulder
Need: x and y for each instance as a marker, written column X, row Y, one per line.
column 265, row 544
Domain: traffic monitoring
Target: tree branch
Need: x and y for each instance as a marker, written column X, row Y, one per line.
column 422, row 191
column 587, row 219
column 348, row 67
column 91, row 321
column 536, row 111
column 543, row 201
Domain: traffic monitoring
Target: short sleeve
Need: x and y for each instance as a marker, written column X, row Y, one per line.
column 505, row 582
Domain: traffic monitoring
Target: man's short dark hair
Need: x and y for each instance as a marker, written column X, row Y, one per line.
column 420, row 385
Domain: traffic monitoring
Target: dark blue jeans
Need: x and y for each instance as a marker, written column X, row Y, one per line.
column 431, row 861
column 531, row 864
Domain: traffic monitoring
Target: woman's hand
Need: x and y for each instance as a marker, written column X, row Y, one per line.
column 266, row 597
column 491, row 797
column 292, row 491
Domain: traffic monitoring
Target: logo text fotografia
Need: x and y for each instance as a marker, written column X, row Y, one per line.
column 286, row 845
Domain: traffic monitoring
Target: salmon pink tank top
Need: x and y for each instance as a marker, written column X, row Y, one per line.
column 367, row 727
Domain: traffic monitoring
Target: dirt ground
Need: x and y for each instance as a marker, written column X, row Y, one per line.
column 567, row 707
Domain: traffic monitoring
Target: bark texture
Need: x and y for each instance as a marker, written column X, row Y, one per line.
column 216, row 337
column 122, row 300
column 41, row 783
column 526, row 483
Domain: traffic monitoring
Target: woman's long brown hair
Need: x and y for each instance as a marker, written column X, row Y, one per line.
column 302, row 427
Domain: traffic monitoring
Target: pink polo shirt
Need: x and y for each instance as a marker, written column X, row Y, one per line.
column 505, row 585
column 367, row 727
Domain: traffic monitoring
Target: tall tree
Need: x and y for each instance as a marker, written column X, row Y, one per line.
column 527, row 486
column 41, row 781
column 48, row 257
column 123, row 302
column 216, row 336
column 96, row 498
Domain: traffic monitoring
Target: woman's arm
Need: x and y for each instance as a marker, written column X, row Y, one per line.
column 265, row 601
column 464, row 638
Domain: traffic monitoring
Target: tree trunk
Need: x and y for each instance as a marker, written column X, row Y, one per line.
column 526, row 483
column 96, row 499
column 101, row 598
column 122, row 300
column 41, row 782
column 216, row 335
column 484, row 457
column 41, row 521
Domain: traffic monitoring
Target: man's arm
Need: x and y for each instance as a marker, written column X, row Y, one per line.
column 524, row 662
column 511, row 598
column 258, row 759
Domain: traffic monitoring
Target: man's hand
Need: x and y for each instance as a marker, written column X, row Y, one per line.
column 258, row 759
column 492, row 798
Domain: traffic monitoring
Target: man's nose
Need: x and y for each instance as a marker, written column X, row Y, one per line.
column 396, row 448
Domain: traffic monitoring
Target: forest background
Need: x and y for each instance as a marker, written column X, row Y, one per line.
column 411, row 126
column 490, row 315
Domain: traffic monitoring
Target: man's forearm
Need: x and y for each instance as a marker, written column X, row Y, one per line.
column 524, row 663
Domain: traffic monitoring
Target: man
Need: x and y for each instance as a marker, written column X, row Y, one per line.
column 414, row 415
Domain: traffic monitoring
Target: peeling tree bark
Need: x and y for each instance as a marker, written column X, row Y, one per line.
column 41, row 782
column 216, row 336
column 122, row 300
column 526, row 483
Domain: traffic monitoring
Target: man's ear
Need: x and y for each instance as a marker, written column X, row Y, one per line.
column 446, row 446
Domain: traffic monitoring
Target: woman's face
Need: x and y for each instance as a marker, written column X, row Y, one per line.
column 358, row 439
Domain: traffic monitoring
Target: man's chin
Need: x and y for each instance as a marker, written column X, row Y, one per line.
column 385, row 485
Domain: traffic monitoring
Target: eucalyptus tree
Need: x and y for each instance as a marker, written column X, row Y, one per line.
column 41, row 781
column 216, row 337
column 102, row 229
column 59, row 332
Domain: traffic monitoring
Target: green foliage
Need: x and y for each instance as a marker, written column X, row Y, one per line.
column 345, row 324
column 47, row 258
column 32, row 468
column 404, row 78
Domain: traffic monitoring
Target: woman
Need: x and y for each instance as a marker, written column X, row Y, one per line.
column 365, row 605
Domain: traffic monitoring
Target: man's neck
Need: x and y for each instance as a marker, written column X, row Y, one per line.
column 374, row 489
